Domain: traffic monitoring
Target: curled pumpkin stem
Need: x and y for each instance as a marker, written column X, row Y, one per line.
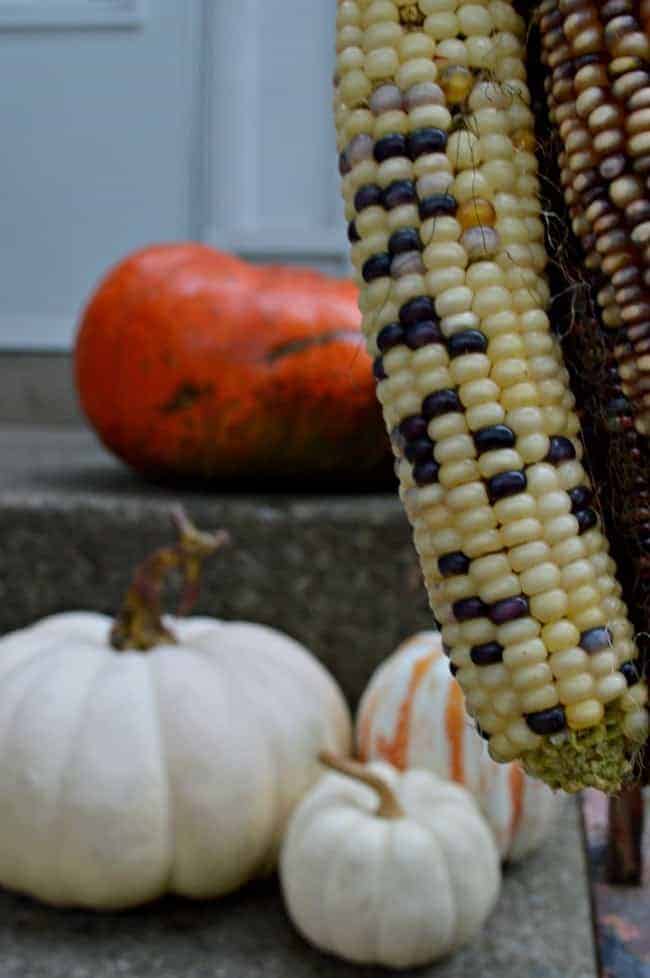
column 139, row 624
column 389, row 806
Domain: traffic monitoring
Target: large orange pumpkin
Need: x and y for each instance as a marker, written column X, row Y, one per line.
column 192, row 363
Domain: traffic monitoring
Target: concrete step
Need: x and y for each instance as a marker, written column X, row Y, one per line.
column 38, row 388
column 337, row 572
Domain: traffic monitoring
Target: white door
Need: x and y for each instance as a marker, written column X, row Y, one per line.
column 126, row 122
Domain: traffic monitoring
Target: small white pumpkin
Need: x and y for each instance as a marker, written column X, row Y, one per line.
column 385, row 868
column 128, row 774
column 412, row 714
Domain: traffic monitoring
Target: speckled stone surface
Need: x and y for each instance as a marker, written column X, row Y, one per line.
column 541, row 929
column 339, row 573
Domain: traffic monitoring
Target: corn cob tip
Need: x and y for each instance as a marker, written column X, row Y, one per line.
column 599, row 757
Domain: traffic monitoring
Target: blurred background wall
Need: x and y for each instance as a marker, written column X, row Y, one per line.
column 131, row 121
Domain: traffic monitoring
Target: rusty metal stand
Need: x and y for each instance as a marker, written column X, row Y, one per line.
column 620, row 891
column 624, row 864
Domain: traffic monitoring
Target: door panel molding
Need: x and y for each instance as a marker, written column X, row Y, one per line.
column 271, row 184
column 281, row 242
column 70, row 14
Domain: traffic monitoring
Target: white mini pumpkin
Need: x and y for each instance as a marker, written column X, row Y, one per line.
column 126, row 775
column 412, row 714
column 385, row 868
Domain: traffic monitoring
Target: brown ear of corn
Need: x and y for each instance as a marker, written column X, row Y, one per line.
column 599, row 98
column 598, row 89
column 439, row 175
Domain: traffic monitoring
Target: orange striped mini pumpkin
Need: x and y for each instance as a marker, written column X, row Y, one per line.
column 412, row 715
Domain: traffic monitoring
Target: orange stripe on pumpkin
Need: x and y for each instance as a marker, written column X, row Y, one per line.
column 365, row 725
column 516, row 778
column 455, row 730
column 395, row 751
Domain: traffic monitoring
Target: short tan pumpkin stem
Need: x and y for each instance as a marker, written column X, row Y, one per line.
column 139, row 624
column 389, row 806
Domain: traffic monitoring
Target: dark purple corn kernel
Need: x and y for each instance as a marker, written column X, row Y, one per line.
column 496, row 436
column 552, row 20
column 630, row 673
column 392, row 145
column 377, row 266
column 487, row 654
column 469, row 341
column 561, row 450
column 506, row 484
column 589, row 196
column 442, row 402
column 426, row 141
column 378, row 369
column 547, row 721
column 453, row 669
column 587, row 178
column 437, row 205
column 399, row 192
column 453, row 563
column 404, row 240
column 467, row 608
column 627, row 275
column 421, row 334
column 353, row 234
column 481, row 732
column 618, row 8
column 580, row 497
column 416, row 310
column 370, row 195
column 344, row 164
column 419, row 451
column 587, row 520
column 587, row 59
column 413, row 428
column 426, row 473
column 618, row 406
column 390, row 336
column 596, row 639
column 565, row 70
column 509, row 609
column 612, row 167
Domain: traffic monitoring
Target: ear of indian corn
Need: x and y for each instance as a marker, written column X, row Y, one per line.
column 599, row 98
column 598, row 88
column 439, row 177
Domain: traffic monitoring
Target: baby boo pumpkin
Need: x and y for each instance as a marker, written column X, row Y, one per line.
column 159, row 755
column 192, row 363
